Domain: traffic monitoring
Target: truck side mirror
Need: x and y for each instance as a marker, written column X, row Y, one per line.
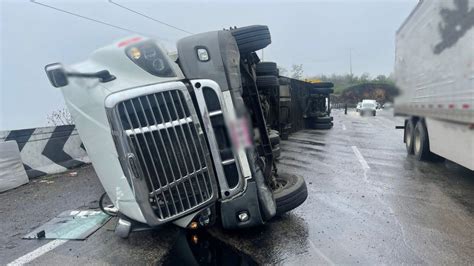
column 57, row 75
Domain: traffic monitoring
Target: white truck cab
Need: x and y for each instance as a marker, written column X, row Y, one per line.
column 170, row 147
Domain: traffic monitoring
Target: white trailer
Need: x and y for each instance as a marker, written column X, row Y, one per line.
column 434, row 69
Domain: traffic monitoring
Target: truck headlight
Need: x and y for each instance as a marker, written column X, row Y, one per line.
column 148, row 56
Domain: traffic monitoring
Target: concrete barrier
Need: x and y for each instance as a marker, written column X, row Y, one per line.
column 48, row 150
column 12, row 172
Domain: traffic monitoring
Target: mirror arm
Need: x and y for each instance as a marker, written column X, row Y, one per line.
column 103, row 75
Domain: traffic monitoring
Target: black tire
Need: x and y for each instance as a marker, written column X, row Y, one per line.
column 374, row 113
column 284, row 136
column 321, row 91
column 409, row 133
column 252, row 38
column 313, row 125
column 421, row 144
column 323, row 119
column 267, row 81
column 267, row 68
column 274, row 137
column 276, row 151
column 291, row 194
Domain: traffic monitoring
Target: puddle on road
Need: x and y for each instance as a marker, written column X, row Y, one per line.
column 200, row 248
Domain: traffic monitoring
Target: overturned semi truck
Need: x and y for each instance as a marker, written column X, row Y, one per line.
column 182, row 140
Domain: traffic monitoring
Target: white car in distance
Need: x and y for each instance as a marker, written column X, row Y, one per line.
column 368, row 107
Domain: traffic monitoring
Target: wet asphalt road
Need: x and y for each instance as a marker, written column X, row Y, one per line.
column 368, row 203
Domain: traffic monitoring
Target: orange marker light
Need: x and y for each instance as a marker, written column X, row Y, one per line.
column 193, row 225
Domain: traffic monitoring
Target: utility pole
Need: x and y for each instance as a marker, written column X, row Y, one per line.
column 350, row 61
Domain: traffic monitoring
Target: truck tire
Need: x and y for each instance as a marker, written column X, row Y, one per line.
column 267, row 68
column 274, row 137
column 321, row 90
column 276, row 150
column 291, row 193
column 252, row 38
column 315, row 125
column 323, row 119
column 267, row 81
column 421, row 144
column 409, row 131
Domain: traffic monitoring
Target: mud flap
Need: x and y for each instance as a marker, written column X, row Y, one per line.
column 265, row 194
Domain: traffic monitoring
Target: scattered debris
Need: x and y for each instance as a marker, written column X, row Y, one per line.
column 72, row 224
column 41, row 234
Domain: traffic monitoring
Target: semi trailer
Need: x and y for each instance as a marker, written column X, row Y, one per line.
column 434, row 70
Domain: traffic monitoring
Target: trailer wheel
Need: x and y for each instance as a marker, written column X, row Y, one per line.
column 290, row 193
column 323, row 119
column 409, row 131
column 252, row 38
column 267, row 81
column 276, row 151
column 315, row 125
column 274, row 137
column 421, row 144
column 267, row 68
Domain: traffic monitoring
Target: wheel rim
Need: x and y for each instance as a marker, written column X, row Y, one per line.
column 409, row 136
column 280, row 185
column 417, row 141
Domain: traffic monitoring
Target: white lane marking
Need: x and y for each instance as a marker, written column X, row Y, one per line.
column 343, row 127
column 38, row 252
column 361, row 159
column 321, row 254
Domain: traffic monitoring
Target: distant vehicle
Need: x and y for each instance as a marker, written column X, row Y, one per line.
column 434, row 72
column 387, row 105
column 369, row 101
column 359, row 105
column 368, row 108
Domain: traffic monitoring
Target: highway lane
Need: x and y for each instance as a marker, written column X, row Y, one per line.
column 368, row 203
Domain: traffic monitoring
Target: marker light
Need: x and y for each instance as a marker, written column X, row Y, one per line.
column 193, row 225
column 203, row 55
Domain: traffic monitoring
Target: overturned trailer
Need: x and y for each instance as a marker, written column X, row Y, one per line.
column 303, row 105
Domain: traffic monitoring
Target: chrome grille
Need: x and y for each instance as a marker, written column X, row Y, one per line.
column 161, row 130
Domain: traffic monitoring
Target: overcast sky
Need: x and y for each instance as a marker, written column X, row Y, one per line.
column 317, row 34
